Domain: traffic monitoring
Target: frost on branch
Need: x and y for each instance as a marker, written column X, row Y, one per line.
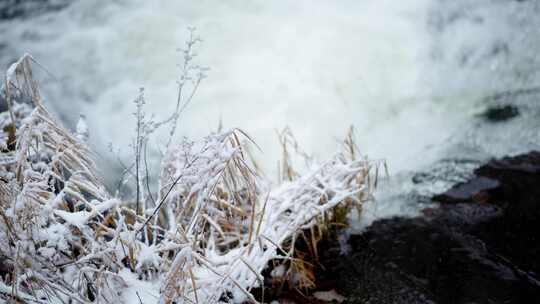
column 215, row 226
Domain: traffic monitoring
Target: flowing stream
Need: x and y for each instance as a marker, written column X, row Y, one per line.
column 413, row 77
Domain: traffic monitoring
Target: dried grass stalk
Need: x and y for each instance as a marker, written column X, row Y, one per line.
column 215, row 227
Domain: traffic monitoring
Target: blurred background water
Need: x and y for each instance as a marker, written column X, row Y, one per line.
column 424, row 82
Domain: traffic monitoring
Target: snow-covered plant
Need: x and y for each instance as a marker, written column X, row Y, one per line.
column 235, row 223
column 191, row 76
column 213, row 229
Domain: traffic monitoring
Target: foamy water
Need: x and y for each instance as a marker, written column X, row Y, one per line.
column 409, row 75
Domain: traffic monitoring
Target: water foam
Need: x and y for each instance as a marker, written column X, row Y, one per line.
column 409, row 75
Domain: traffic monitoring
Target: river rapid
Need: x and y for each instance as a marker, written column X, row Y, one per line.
column 418, row 79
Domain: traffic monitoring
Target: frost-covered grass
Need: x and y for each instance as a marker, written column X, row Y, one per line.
column 204, row 236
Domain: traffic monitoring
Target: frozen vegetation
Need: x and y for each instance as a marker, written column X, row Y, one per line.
column 206, row 233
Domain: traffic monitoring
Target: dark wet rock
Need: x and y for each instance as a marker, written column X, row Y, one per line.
column 516, row 235
column 415, row 261
column 481, row 245
column 505, row 105
column 12, row 9
column 476, row 190
column 500, row 113
column 435, row 259
column 507, row 168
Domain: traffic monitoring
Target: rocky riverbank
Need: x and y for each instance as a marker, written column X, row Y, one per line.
column 481, row 245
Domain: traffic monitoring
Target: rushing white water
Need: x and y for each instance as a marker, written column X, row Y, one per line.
column 409, row 75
